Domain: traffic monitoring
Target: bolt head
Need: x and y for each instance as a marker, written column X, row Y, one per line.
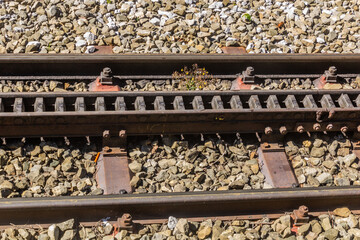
column 283, row 130
column 300, row 129
column 329, row 127
column 106, row 134
column 250, row 71
column 316, row 126
column 344, row 129
column 268, row 130
column 107, row 72
column 332, row 70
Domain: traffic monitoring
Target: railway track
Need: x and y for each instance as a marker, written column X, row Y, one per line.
column 112, row 118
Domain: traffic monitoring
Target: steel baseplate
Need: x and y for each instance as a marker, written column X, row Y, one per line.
column 113, row 173
column 275, row 166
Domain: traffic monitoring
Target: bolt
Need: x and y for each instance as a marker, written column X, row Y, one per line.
column 329, row 127
column 126, row 220
column 332, row 70
column 106, row 134
column 303, row 210
column 249, row 71
column 106, row 149
column 122, row 133
column 107, row 72
column 283, row 130
column 316, row 126
column 344, row 129
column 300, row 129
column 123, row 191
column 268, row 130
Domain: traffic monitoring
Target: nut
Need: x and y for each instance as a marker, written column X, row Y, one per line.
column 268, row 130
column 283, row 130
column 106, row 134
column 344, row 129
column 122, row 133
column 329, row 127
column 300, row 129
column 316, row 126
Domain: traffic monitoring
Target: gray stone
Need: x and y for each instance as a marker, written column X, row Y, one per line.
column 135, row 167
column 325, row 178
column 54, row 232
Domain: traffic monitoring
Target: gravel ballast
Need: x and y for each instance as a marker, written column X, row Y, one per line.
column 47, row 169
column 170, row 164
column 323, row 160
column 341, row 224
column 179, row 26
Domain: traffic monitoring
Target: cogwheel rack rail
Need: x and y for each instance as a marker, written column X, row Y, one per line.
column 89, row 114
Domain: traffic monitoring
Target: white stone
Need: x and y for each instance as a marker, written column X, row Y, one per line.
column 320, row 40
column 35, row 43
column 89, row 36
column 90, row 49
column 81, row 43
column 155, row 21
column 216, row 5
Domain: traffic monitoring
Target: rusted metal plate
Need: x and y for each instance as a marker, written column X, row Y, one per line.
column 234, row 50
column 276, row 167
column 113, row 173
column 100, row 50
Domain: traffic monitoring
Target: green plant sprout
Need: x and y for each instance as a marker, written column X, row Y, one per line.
column 193, row 78
column 247, row 17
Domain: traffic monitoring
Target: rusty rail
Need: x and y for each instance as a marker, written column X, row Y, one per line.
column 129, row 64
column 150, row 208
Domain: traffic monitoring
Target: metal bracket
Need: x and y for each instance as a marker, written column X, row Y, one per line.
column 126, row 223
column 299, row 217
column 248, row 76
column 106, row 76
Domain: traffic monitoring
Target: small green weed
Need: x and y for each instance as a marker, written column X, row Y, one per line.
column 193, row 78
column 247, row 17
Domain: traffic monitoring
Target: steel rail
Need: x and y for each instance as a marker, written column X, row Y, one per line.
column 161, row 77
column 149, row 208
column 217, row 64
